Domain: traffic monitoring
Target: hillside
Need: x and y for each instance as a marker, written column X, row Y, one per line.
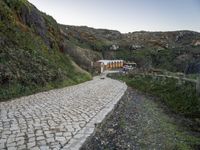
column 31, row 55
column 37, row 53
column 174, row 51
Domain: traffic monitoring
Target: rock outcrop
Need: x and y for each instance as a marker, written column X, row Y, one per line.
column 33, row 19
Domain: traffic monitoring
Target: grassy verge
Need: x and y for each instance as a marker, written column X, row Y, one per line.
column 24, row 72
column 16, row 90
column 138, row 122
column 179, row 97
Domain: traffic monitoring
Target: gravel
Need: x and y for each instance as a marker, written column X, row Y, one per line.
column 141, row 122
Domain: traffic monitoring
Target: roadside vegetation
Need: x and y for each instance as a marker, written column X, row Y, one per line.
column 140, row 122
column 179, row 97
column 27, row 72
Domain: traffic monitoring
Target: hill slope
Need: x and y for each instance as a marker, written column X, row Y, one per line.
column 174, row 51
column 37, row 53
column 31, row 58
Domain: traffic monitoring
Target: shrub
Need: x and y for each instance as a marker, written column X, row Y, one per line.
column 181, row 98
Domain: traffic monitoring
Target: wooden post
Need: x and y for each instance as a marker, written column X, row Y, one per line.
column 198, row 85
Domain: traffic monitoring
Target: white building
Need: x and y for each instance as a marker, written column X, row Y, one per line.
column 110, row 64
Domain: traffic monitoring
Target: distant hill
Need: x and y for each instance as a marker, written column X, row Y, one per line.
column 174, row 51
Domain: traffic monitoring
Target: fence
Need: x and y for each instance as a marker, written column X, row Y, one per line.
column 179, row 78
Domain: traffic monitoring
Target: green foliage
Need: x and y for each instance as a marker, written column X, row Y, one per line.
column 24, row 72
column 123, row 54
column 162, row 58
column 181, row 98
column 5, row 14
column 82, row 37
column 52, row 26
column 16, row 4
column 27, row 64
column 175, row 60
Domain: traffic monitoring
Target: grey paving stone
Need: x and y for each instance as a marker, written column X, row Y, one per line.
column 22, row 147
column 12, row 148
column 63, row 115
column 35, row 148
column 31, row 144
column 50, row 140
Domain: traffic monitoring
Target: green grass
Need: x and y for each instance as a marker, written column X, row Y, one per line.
column 27, row 64
column 173, row 136
column 149, row 57
column 193, row 76
column 24, row 72
column 180, row 97
column 17, row 89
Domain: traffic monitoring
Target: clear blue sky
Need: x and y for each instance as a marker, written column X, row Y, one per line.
column 125, row 15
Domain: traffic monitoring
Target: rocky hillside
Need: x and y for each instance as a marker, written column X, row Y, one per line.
column 175, row 51
column 32, row 57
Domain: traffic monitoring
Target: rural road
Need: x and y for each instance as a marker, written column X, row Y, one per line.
column 57, row 119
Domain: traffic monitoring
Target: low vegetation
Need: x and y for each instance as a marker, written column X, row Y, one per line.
column 176, row 51
column 27, row 72
column 30, row 56
column 139, row 122
column 180, row 97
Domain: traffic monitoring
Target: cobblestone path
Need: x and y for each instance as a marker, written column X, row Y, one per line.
column 57, row 119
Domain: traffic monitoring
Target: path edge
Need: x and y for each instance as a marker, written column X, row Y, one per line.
column 86, row 133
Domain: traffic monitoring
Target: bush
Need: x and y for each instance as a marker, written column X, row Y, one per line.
column 181, row 98
column 28, row 62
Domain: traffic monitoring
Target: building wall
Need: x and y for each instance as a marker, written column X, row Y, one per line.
column 109, row 65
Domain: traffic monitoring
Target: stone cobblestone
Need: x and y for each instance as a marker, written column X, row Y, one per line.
column 56, row 118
